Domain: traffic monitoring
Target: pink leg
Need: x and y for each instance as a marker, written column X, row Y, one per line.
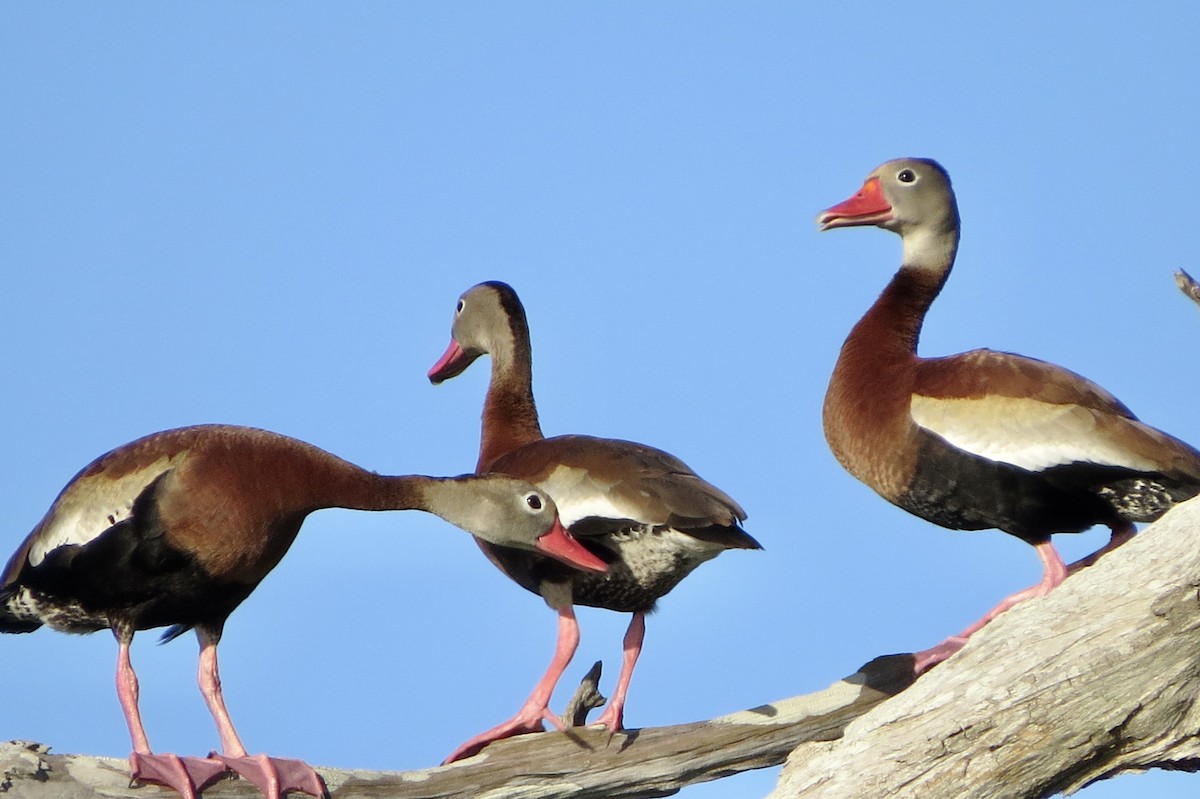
column 536, row 708
column 1121, row 534
column 209, row 679
column 614, row 714
column 273, row 776
column 1054, row 571
column 183, row 775
column 128, row 694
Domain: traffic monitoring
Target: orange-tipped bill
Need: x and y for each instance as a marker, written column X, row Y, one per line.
column 868, row 207
column 561, row 545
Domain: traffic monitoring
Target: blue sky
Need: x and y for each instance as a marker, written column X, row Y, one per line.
column 263, row 213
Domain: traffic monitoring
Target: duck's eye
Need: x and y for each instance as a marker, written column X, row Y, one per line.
column 906, row 176
column 534, row 501
column 460, row 306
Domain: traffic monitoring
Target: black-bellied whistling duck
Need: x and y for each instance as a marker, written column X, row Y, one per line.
column 179, row 527
column 982, row 439
column 644, row 512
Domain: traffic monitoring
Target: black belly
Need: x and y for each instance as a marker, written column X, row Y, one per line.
column 967, row 492
column 132, row 575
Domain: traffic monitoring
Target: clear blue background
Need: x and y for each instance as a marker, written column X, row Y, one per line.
column 262, row 213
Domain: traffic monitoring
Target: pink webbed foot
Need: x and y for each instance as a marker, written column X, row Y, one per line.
column 184, row 775
column 528, row 720
column 276, row 776
column 536, row 708
column 613, row 718
column 1054, row 572
column 926, row 659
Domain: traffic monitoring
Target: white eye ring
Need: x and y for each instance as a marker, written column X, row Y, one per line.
column 534, row 501
column 906, row 175
column 461, row 304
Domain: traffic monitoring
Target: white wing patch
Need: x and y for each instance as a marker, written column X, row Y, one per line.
column 91, row 505
column 578, row 496
column 1023, row 432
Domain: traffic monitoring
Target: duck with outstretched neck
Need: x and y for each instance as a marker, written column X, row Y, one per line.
column 176, row 529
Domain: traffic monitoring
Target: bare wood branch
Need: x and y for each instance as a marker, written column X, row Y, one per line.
column 579, row 763
column 586, row 699
column 1099, row 678
column 1188, row 285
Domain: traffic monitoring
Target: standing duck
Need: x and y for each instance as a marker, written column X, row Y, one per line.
column 982, row 439
column 642, row 511
column 179, row 527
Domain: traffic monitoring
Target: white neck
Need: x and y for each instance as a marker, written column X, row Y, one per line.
column 930, row 249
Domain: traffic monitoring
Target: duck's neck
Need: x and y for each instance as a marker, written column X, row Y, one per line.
column 454, row 499
column 874, row 372
column 893, row 324
column 349, row 486
column 358, row 489
column 510, row 418
column 866, row 411
column 932, row 249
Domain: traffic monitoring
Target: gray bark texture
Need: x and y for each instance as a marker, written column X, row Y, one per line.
column 1188, row 285
column 1099, row 678
column 579, row 763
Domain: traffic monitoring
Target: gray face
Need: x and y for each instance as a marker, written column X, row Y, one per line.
column 920, row 194
column 478, row 314
column 477, row 319
column 506, row 511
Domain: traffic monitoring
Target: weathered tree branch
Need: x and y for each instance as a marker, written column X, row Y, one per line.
column 1099, row 678
column 586, row 699
column 1188, row 285
column 580, row 763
